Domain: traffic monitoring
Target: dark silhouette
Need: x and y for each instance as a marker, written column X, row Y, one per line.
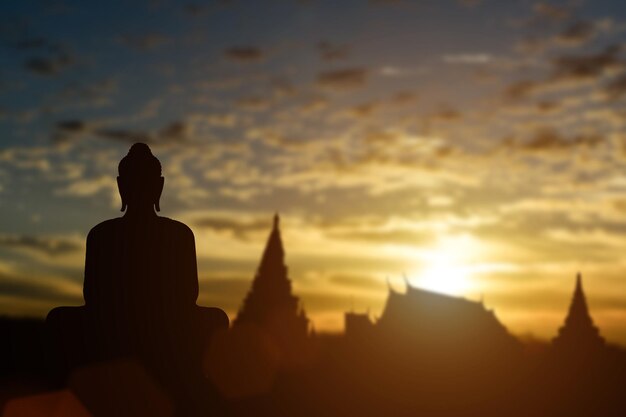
column 270, row 305
column 140, row 289
column 578, row 333
column 139, row 345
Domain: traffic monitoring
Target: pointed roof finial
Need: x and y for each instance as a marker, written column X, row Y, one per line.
column 276, row 220
column 389, row 284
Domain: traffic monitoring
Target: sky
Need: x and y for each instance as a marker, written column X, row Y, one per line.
column 471, row 147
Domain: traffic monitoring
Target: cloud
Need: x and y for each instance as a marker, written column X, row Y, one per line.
column 342, row 79
column 585, row 67
column 220, row 120
column 241, row 229
column 549, row 139
column 403, row 97
column 447, row 114
column 173, row 132
column 468, row 58
column 394, row 71
column 244, row 54
column 366, row 282
column 569, row 71
column 144, row 42
column 47, row 65
column 550, row 11
column 394, row 236
column 616, row 88
column 48, row 58
column 66, row 130
column 123, row 135
column 253, row 103
column 52, row 290
column 364, row 109
column 84, row 94
column 577, row 34
column 89, row 186
column 332, row 52
column 225, row 292
column 314, row 104
column 47, row 245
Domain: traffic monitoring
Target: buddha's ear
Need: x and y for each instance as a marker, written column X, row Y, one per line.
column 122, row 190
column 159, row 190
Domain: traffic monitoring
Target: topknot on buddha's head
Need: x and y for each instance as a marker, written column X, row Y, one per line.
column 140, row 182
column 139, row 163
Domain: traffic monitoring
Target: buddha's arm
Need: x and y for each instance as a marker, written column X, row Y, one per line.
column 189, row 268
column 89, row 285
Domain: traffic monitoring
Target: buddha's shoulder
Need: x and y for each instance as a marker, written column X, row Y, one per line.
column 174, row 226
column 105, row 227
column 166, row 225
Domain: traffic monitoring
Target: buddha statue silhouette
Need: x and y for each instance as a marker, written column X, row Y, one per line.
column 140, row 287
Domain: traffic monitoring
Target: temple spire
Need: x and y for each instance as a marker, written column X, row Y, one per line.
column 270, row 303
column 578, row 331
column 578, row 311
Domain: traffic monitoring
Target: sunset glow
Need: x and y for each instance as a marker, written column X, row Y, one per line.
column 446, row 267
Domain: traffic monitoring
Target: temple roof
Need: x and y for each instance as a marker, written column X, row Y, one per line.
column 424, row 315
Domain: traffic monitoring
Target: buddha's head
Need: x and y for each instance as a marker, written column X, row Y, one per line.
column 140, row 182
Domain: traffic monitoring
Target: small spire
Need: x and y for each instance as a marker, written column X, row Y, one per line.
column 276, row 220
column 389, row 284
column 579, row 282
column 406, row 281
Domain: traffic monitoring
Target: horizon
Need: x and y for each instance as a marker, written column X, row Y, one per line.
column 475, row 147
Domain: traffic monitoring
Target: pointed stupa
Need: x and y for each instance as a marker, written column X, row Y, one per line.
column 578, row 331
column 272, row 267
column 270, row 303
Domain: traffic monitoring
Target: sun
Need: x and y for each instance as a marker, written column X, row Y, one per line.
column 447, row 267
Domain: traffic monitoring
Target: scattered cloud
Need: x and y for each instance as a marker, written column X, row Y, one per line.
column 244, row 54
column 468, row 58
column 551, row 11
column 332, row 52
column 403, row 97
column 47, row 245
column 616, row 88
column 53, row 290
column 145, row 42
column 175, row 131
column 364, row 109
column 123, row 135
column 342, row 79
column 577, row 34
column 585, row 67
column 390, row 237
column 241, row 229
column 66, row 130
column 549, row 139
column 253, row 103
column 47, row 65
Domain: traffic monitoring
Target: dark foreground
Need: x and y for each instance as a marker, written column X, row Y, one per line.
column 367, row 375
